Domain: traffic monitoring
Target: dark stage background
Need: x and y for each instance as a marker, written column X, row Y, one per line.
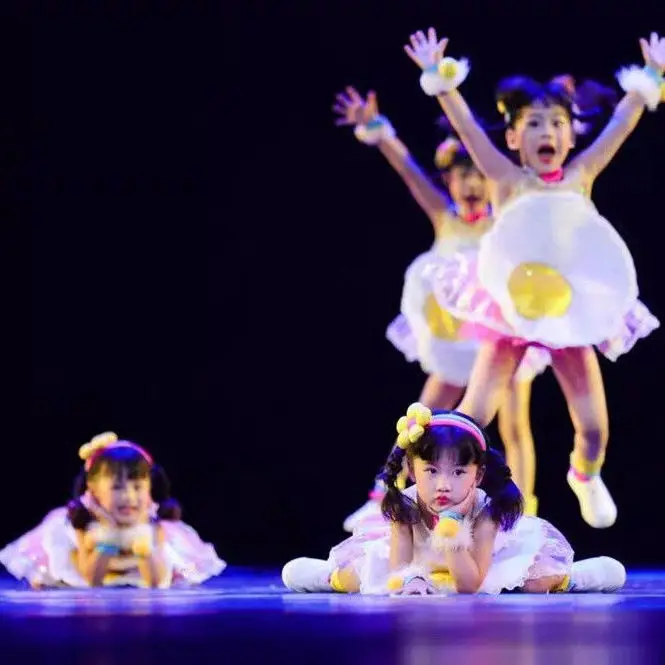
column 213, row 264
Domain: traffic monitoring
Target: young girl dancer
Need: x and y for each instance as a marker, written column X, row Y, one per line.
column 552, row 272
column 458, row 529
column 460, row 216
column 122, row 529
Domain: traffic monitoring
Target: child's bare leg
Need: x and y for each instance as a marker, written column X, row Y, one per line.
column 493, row 370
column 438, row 394
column 578, row 374
column 517, row 437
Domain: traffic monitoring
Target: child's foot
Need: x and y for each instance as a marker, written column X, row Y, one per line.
column 601, row 575
column 308, row 575
column 596, row 504
column 368, row 511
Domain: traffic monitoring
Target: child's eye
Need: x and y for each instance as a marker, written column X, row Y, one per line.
column 460, row 472
column 431, row 470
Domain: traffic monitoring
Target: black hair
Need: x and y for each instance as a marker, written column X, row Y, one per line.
column 507, row 503
column 589, row 103
column 117, row 460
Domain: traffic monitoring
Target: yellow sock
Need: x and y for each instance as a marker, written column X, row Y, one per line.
column 531, row 506
column 562, row 587
column 336, row 581
column 586, row 467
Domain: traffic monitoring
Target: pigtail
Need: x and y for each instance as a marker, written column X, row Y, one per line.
column 169, row 509
column 594, row 104
column 507, row 503
column 396, row 506
column 512, row 94
column 77, row 514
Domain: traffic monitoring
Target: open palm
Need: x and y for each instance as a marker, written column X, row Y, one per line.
column 352, row 109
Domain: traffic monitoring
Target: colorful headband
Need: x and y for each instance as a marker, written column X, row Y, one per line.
column 412, row 426
column 90, row 451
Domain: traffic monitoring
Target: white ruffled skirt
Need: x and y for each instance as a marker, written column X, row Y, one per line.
column 551, row 272
column 533, row 549
column 431, row 335
column 44, row 555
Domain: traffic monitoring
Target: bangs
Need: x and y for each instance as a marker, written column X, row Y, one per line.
column 121, row 461
column 552, row 95
column 462, row 160
column 450, row 442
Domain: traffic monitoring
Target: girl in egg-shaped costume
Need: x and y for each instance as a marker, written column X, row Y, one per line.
column 552, row 272
column 424, row 332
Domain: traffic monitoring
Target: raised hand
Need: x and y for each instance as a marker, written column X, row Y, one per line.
column 352, row 109
column 426, row 50
column 653, row 52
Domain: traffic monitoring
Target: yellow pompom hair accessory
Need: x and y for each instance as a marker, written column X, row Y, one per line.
column 88, row 451
column 412, row 426
column 446, row 152
column 99, row 442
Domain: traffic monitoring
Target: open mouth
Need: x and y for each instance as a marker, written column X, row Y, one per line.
column 546, row 153
column 472, row 199
column 126, row 510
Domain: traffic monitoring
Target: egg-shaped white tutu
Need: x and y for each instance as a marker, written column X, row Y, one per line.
column 562, row 232
column 426, row 333
column 43, row 556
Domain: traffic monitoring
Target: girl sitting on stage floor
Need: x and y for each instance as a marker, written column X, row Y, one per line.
column 122, row 529
column 458, row 529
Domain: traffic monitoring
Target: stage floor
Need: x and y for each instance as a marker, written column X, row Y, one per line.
column 246, row 617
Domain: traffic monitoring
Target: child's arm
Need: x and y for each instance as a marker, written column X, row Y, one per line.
column 628, row 112
column 468, row 567
column 93, row 558
column 429, row 197
column 401, row 546
column 373, row 129
column 427, row 53
column 153, row 565
column 409, row 579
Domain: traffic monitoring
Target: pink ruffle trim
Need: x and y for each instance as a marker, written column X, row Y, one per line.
column 456, row 287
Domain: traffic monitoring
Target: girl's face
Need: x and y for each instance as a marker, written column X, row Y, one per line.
column 127, row 501
column 467, row 188
column 543, row 136
column 445, row 483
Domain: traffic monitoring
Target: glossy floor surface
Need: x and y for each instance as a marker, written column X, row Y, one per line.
column 246, row 617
